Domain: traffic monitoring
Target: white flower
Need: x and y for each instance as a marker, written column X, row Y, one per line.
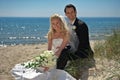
column 73, row 27
column 46, row 59
column 48, row 52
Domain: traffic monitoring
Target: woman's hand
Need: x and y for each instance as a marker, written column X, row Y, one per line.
column 58, row 52
column 46, row 69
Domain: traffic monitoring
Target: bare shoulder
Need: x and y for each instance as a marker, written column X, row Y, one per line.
column 65, row 33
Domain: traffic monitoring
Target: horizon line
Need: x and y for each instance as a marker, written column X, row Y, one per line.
column 63, row 16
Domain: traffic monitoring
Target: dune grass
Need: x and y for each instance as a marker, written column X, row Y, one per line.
column 108, row 53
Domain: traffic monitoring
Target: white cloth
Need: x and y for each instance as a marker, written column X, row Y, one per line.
column 56, row 43
column 73, row 37
column 22, row 73
column 57, row 74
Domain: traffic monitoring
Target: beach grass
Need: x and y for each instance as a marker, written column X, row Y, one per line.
column 107, row 54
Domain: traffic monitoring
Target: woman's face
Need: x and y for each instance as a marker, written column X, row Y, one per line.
column 55, row 22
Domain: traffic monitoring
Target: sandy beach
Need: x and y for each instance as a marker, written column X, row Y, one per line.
column 11, row 55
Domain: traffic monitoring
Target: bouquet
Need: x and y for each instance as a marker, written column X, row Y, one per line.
column 46, row 60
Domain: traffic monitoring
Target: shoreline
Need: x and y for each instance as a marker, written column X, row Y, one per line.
column 10, row 45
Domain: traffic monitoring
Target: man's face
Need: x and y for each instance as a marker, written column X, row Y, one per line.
column 70, row 13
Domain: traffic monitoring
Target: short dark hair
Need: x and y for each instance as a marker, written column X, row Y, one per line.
column 69, row 6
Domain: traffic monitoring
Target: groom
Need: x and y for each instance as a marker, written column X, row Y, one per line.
column 83, row 50
column 81, row 30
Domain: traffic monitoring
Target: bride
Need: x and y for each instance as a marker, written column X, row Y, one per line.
column 58, row 38
column 58, row 41
column 58, row 35
column 61, row 40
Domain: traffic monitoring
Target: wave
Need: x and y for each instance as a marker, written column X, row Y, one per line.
column 14, row 31
column 25, row 37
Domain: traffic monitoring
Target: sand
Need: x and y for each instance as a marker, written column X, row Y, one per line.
column 11, row 55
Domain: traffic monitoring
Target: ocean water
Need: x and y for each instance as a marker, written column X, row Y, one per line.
column 32, row 30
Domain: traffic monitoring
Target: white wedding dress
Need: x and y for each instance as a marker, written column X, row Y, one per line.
column 56, row 74
column 56, row 43
column 31, row 74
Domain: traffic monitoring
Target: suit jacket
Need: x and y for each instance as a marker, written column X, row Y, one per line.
column 84, row 50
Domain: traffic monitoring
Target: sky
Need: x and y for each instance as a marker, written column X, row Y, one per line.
column 45, row 8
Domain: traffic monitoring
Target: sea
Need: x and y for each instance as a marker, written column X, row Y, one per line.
column 33, row 30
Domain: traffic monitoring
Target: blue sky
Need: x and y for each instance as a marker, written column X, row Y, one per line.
column 45, row 8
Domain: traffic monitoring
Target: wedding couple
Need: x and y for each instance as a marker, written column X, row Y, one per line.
column 69, row 40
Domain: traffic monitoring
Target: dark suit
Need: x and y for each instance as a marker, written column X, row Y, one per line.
column 84, row 49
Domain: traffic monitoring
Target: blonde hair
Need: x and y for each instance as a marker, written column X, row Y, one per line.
column 64, row 28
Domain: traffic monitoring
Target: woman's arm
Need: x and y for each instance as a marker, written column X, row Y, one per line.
column 49, row 42
column 63, row 45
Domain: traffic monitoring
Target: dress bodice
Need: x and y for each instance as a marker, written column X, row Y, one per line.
column 56, row 43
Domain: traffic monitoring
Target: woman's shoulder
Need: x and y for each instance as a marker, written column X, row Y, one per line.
column 50, row 35
column 64, row 33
